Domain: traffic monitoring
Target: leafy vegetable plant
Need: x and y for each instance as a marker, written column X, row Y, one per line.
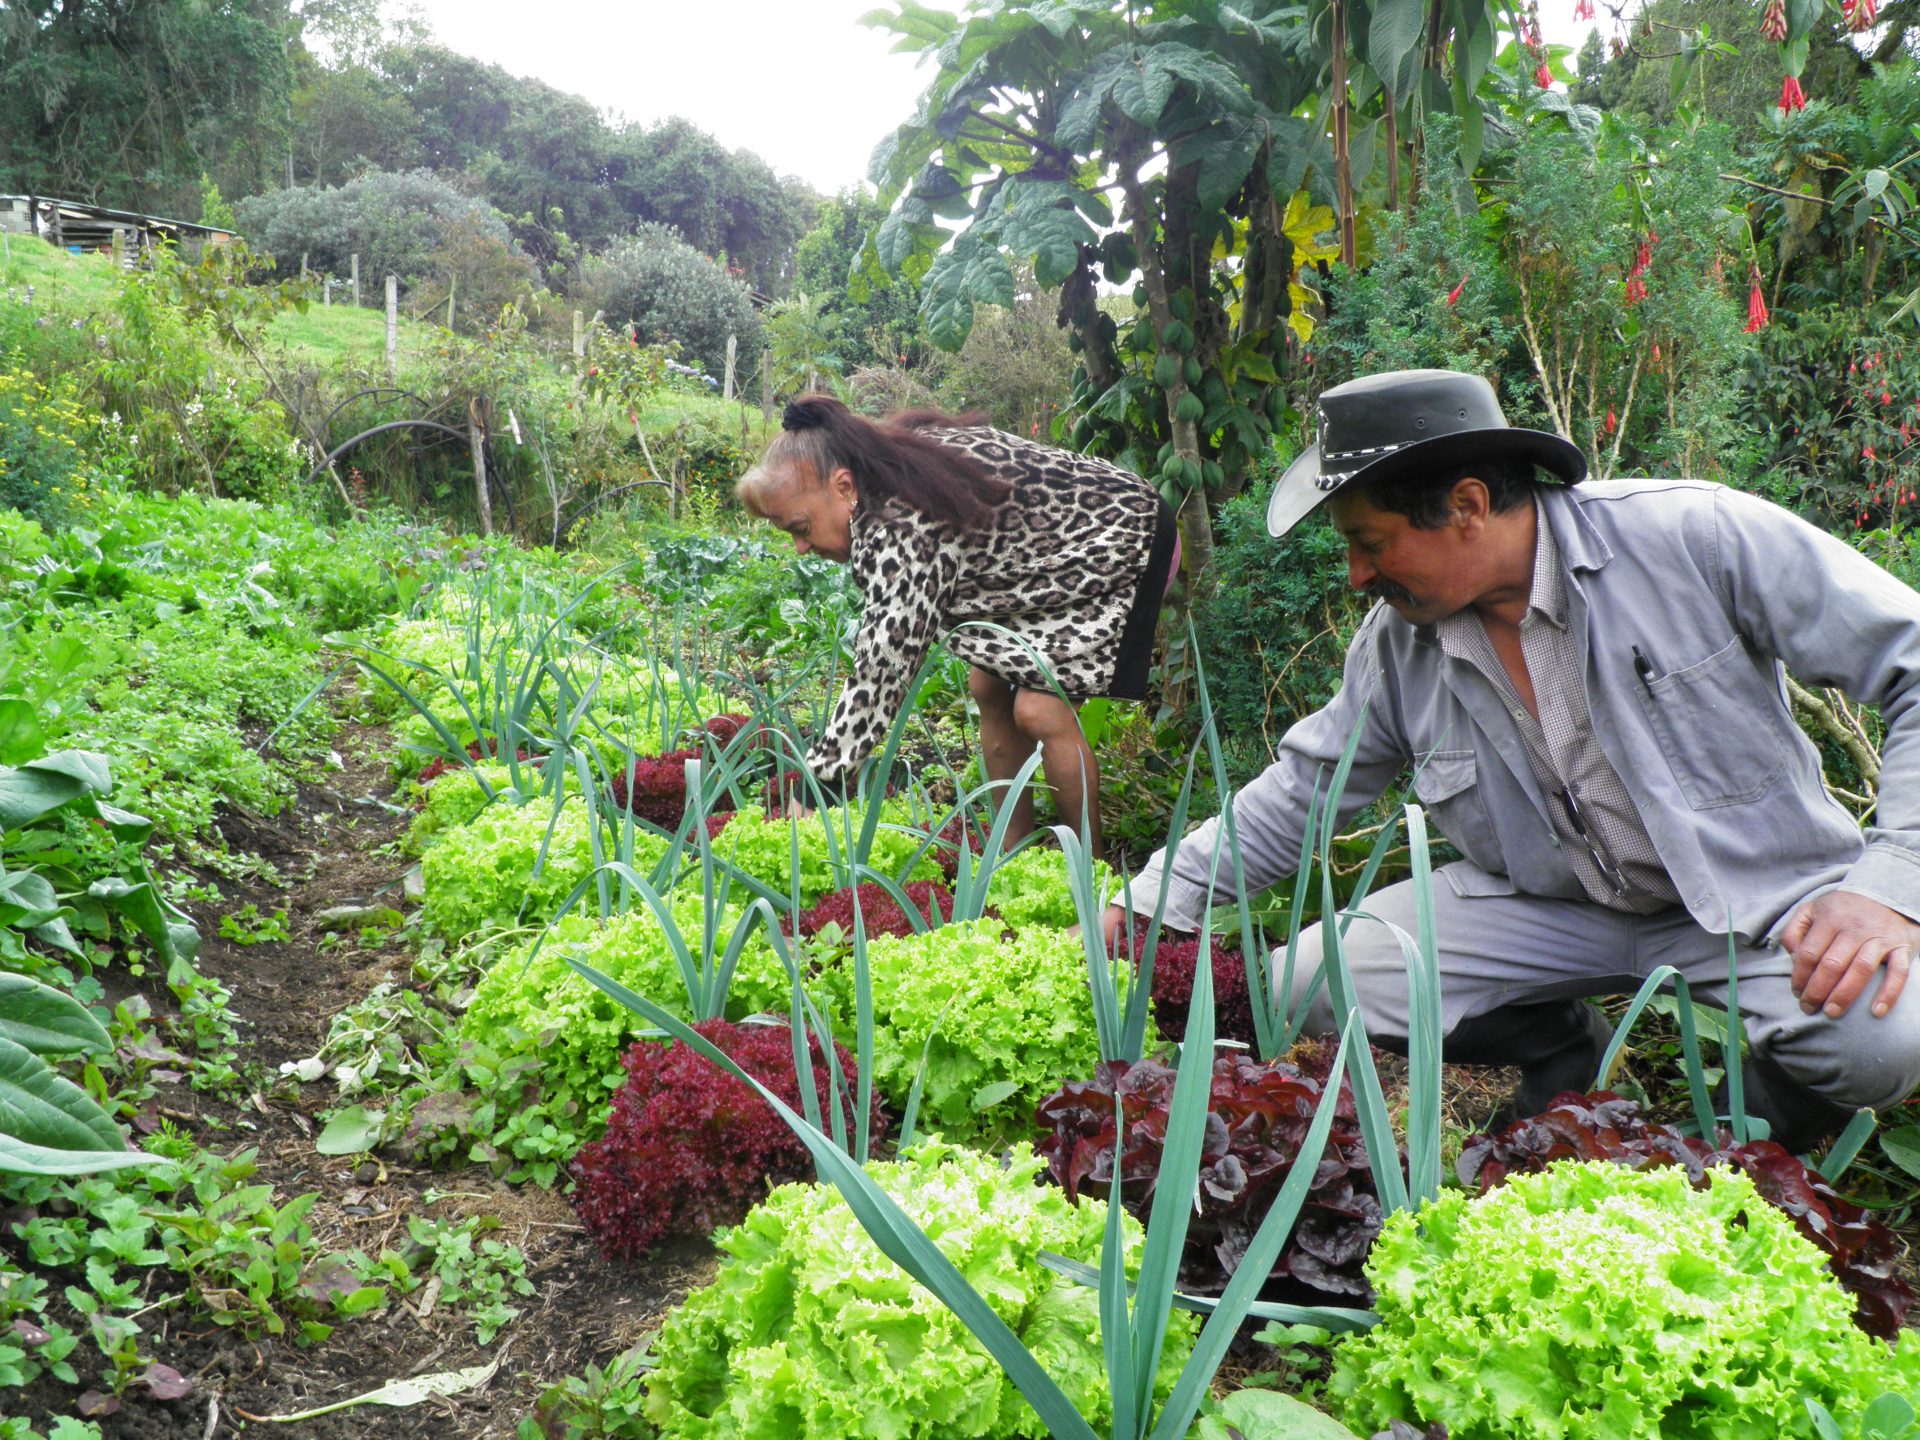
column 997, row 1020
column 1592, row 1300
column 688, row 1148
column 767, row 1347
column 1860, row 1250
column 1258, row 1118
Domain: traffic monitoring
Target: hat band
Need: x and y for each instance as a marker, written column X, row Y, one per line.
column 1332, row 480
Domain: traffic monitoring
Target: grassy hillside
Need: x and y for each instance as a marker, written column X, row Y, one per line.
column 326, row 336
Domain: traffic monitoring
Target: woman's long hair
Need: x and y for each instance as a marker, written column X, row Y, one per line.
column 891, row 460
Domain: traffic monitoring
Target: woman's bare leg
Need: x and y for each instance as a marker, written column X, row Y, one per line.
column 1073, row 775
column 1004, row 748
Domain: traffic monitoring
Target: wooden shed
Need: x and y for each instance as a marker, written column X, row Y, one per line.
column 83, row 228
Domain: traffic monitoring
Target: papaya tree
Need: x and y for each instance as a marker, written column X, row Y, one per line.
column 1187, row 152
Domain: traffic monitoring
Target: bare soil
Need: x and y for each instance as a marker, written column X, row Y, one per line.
column 331, row 847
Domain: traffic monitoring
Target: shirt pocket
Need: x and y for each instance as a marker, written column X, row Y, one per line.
column 1715, row 721
column 1447, row 783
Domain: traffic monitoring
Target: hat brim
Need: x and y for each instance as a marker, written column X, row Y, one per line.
column 1299, row 490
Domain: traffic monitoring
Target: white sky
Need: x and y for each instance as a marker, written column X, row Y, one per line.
column 799, row 82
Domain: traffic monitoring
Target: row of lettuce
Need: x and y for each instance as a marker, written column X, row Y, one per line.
column 596, row 804
column 592, row 792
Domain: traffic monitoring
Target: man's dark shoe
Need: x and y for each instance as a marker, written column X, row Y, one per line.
column 1557, row 1046
column 1797, row 1118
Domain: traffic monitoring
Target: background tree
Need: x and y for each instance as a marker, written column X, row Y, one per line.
column 129, row 104
column 1197, row 118
column 877, row 312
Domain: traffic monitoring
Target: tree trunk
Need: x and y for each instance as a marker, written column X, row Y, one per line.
column 477, row 438
column 1342, row 141
column 1196, row 525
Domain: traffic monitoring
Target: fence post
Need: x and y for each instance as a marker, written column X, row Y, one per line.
column 303, row 267
column 356, row 281
column 393, row 326
column 119, row 249
column 326, row 292
column 579, row 343
column 477, row 438
column 766, row 386
column 733, row 354
column 453, row 282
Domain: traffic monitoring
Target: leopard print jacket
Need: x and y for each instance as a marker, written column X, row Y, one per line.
column 1055, row 573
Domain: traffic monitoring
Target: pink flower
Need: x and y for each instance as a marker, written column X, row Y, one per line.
column 1792, row 97
column 1756, row 305
column 1543, row 77
column 1453, row 295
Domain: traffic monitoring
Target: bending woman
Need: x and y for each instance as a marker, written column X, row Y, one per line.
column 946, row 521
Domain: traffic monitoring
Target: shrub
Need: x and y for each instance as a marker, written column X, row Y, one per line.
column 1594, row 1300
column 688, row 1147
column 1273, row 631
column 1860, row 1250
column 668, row 291
column 398, row 222
column 1006, row 1018
column 1261, row 1114
column 880, row 913
column 771, row 1346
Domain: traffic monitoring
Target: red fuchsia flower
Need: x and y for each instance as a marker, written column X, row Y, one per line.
column 1636, row 290
column 1613, row 422
column 1543, row 77
column 1582, row 10
column 1773, row 23
column 1886, row 397
column 1756, row 305
column 1860, row 14
column 1866, row 453
column 1792, row 97
column 1453, row 295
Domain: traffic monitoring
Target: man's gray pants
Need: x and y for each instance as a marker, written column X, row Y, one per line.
column 1498, row 951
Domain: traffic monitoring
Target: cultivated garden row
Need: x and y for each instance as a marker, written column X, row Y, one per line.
column 655, row 967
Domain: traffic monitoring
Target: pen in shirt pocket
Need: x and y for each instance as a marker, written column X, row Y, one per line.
column 1643, row 667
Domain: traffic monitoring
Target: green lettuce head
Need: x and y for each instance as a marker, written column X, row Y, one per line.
column 1594, row 1302
column 808, row 1332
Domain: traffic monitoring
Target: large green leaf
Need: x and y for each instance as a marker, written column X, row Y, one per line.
column 1226, row 155
column 42, row 1110
column 21, row 739
column 37, row 789
column 1393, row 43
column 27, row 899
column 46, row 1021
column 140, row 904
column 1042, row 224
column 1267, row 1415
column 970, row 272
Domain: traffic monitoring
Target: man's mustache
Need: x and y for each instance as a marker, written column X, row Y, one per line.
column 1384, row 589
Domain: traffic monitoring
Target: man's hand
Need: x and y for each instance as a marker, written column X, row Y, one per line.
column 1838, row 941
column 1110, row 923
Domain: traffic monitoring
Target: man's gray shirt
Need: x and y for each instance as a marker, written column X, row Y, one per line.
column 1716, row 589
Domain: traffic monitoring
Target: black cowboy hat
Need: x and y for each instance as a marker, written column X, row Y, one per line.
column 1385, row 426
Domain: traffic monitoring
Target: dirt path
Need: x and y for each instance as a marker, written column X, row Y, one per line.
column 284, row 994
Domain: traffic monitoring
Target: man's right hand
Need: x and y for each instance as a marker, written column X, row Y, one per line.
column 1111, row 924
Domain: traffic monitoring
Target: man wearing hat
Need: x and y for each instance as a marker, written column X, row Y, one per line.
column 1585, row 678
